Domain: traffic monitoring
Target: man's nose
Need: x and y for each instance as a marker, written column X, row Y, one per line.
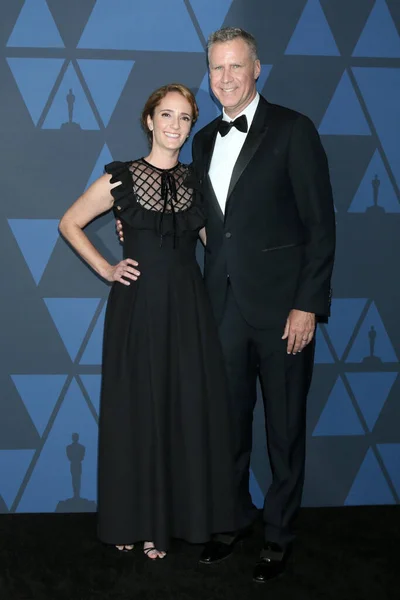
column 226, row 76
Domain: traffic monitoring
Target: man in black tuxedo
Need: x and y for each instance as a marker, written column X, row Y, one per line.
column 268, row 264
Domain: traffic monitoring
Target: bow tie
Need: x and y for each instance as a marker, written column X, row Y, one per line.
column 240, row 123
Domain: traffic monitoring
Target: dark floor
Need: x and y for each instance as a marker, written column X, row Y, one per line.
column 340, row 553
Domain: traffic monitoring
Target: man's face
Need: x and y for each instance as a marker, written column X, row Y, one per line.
column 233, row 74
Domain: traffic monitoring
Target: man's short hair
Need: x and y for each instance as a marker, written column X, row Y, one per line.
column 227, row 34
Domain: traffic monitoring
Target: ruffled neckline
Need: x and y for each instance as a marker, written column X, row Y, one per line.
column 130, row 211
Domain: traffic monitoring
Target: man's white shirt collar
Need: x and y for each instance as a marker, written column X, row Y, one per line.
column 249, row 111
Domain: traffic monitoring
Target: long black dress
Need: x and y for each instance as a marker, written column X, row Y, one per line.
column 165, row 458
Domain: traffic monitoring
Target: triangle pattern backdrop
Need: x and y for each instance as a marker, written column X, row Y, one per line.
column 379, row 37
column 381, row 193
column 36, row 239
column 313, row 35
column 74, row 87
column 39, row 393
column 35, row 78
column 132, row 26
column 72, row 317
column 70, row 107
column 210, row 14
column 35, row 27
column 344, row 115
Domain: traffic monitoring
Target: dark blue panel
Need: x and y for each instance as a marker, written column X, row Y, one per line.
column 379, row 37
column 72, row 317
column 312, row 35
column 339, row 416
column 36, row 239
column 370, row 485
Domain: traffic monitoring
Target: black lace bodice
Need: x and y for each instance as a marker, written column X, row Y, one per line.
column 166, row 200
column 161, row 190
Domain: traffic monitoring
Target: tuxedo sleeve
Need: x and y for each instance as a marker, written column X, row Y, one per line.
column 196, row 154
column 309, row 174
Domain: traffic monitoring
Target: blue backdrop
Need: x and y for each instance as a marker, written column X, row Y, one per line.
column 74, row 76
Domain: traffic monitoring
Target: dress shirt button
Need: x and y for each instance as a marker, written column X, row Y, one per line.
column 228, row 234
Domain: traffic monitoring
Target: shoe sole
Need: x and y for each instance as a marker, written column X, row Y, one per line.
column 214, row 562
column 268, row 580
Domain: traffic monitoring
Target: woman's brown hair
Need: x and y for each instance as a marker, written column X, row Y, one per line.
column 154, row 100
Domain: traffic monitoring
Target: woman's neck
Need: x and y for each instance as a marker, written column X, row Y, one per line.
column 162, row 160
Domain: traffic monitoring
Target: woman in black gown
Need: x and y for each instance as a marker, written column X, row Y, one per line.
column 165, row 464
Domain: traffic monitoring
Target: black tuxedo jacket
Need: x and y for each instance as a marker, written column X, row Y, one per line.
column 276, row 240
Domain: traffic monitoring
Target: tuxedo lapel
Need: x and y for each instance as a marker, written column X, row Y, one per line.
column 207, row 152
column 208, row 147
column 213, row 200
column 257, row 131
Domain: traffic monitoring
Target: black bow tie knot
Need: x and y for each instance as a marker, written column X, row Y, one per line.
column 240, row 123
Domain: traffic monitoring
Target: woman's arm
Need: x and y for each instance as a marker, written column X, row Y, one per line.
column 94, row 202
column 203, row 236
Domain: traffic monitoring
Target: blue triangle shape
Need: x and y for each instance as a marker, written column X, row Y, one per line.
column 338, row 416
column 36, row 239
column 92, row 385
column 35, row 27
column 51, row 481
column 58, row 116
column 262, row 80
column 255, row 491
column 371, row 391
column 373, row 331
column 210, row 14
column 208, row 107
column 344, row 115
column 369, row 486
column 13, row 466
column 379, row 37
column 133, row 26
column 72, row 317
column 386, row 196
column 390, row 454
column 312, row 36
column 39, row 393
column 98, row 169
column 208, row 111
column 93, row 351
column 35, row 78
column 115, row 72
column 380, row 88
column 345, row 313
column 322, row 353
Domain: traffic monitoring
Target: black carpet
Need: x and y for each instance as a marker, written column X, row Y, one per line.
column 340, row 553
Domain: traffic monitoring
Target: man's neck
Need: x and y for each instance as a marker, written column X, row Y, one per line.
column 234, row 112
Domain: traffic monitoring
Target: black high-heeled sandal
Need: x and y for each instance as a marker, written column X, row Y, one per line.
column 125, row 548
column 147, row 551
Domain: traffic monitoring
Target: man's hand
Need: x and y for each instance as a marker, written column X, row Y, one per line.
column 299, row 330
column 120, row 232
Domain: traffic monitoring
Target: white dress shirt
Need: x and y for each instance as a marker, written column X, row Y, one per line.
column 226, row 153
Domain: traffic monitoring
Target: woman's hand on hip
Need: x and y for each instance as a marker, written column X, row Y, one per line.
column 123, row 271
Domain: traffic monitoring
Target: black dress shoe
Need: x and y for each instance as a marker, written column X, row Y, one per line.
column 215, row 551
column 272, row 563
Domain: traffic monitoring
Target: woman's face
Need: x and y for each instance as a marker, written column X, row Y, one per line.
column 171, row 122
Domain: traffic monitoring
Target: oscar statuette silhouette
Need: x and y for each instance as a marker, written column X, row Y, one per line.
column 76, row 454
column 70, row 125
column 372, row 361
